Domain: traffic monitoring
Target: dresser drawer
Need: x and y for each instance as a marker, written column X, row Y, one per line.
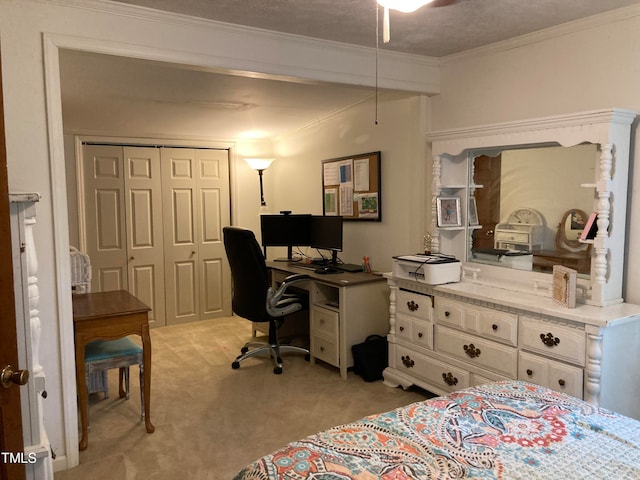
column 403, row 327
column 553, row 340
column 431, row 370
column 519, row 237
column 499, row 358
column 422, row 334
column 551, row 374
column 500, row 326
column 456, row 314
column 324, row 349
column 414, row 304
column 324, row 322
column 415, row 331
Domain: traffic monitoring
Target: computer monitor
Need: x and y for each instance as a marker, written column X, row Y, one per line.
column 285, row 230
column 326, row 234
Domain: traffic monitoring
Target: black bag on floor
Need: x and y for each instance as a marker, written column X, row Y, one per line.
column 370, row 357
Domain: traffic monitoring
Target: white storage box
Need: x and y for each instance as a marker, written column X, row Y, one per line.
column 431, row 269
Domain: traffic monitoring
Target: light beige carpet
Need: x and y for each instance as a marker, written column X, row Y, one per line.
column 212, row 420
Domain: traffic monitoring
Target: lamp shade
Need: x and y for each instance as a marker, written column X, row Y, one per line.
column 259, row 163
column 404, row 5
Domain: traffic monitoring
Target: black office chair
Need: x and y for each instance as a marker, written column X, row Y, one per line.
column 253, row 297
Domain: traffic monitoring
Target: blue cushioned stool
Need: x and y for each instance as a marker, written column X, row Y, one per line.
column 103, row 355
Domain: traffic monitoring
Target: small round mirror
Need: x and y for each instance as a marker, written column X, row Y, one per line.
column 570, row 229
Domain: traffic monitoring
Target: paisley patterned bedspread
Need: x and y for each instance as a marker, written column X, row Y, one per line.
column 503, row 430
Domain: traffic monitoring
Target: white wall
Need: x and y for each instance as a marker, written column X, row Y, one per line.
column 398, row 136
column 576, row 70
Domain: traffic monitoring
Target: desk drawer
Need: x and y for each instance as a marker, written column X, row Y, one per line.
column 326, row 350
column 324, row 322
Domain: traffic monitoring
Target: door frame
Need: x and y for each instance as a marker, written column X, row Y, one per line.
column 52, row 43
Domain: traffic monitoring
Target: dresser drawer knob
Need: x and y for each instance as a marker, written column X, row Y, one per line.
column 447, row 313
column 494, row 327
column 449, row 379
column 562, row 383
column 407, row 362
column 412, row 306
column 471, row 350
column 549, row 340
column 529, row 372
column 401, row 329
column 420, row 335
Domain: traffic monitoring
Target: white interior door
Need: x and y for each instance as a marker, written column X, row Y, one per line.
column 105, row 225
column 143, row 198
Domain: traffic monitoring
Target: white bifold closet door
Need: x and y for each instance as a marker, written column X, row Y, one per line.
column 195, row 185
column 153, row 224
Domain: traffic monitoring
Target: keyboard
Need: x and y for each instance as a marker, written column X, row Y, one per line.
column 349, row 267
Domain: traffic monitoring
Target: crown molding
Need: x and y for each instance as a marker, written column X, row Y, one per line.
column 338, row 62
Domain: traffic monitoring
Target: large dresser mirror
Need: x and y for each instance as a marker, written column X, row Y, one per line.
column 547, row 180
column 526, row 181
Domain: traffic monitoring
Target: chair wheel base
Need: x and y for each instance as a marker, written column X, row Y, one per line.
column 277, row 370
column 235, row 365
column 244, row 350
column 307, row 357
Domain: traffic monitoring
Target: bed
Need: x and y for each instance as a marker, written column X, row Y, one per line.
column 502, row 430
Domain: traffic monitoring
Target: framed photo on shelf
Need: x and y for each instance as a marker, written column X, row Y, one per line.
column 448, row 210
column 473, row 212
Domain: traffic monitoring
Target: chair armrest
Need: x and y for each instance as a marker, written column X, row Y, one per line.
column 293, row 279
column 277, row 305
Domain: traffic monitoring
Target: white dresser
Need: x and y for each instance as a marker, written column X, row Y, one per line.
column 447, row 337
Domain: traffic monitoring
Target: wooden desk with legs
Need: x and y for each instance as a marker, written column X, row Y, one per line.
column 109, row 316
column 344, row 308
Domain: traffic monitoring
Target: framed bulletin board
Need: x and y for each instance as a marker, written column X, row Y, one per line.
column 351, row 187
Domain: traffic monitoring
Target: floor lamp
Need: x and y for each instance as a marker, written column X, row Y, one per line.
column 260, row 165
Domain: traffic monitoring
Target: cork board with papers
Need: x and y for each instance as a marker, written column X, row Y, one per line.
column 351, row 187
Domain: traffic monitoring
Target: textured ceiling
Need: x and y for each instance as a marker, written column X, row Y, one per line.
column 441, row 28
column 103, row 93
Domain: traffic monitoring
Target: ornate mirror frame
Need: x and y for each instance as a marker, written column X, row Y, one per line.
column 609, row 129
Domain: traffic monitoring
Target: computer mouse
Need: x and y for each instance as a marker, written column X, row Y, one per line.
column 325, row 270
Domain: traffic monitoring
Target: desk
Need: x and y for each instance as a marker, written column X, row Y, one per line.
column 344, row 309
column 108, row 316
